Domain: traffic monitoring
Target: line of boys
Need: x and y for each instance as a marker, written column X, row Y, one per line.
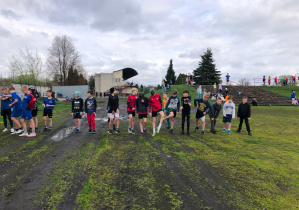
column 173, row 105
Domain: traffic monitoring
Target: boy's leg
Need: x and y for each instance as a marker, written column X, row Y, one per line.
column 89, row 121
column 229, row 125
column 10, row 121
column 133, row 122
column 188, row 121
column 154, row 123
column 224, row 125
column 183, row 120
column 35, row 121
column 212, row 125
column 79, row 123
column 24, row 125
column 117, row 122
column 145, row 121
column 162, row 117
column 93, row 121
column 32, row 125
column 168, row 120
column 240, row 124
column 169, row 116
column 197, row 122
column 5, row 121
column 45, row 120
column 141, row 126
column 247, row 125
column 16, row 121
column 130, row 120
column 203, row 125
column 172, row 122
column 110, row 122
column 50, row 122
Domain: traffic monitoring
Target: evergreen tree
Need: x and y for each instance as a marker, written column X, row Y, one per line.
column 181, row 79
column 170, row 75
column 75, row 78
column 206, row 73
column 70, row 76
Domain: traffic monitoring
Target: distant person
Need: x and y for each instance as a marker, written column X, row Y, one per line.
column 202, row 104
column 16, row 110
column 113, row 110
column 294, row 79
column 6, row 109
column 226, row 91
column 220, row 87
column 269, row 80
column 254, row 102
column 275, row 81
column 187, row 80
column 141, row 106
column 293, row 96
column 214, row 113
column 244, row 113
column 264, row 80
column 166, row 111
column 204, row 92
column 287, row 80
column 131, row 108
column 227, row 78
column 215, row 87
column 228, row 114
column 186, row 108
column 199, row 90
column 191, row 79
column 48, row 104
column 173, row 105
column 34, row 95
column 91, row 111
column 77, row 110
column 101, row 94
column 284, row 81
column 295, row 102
column 155, row 108
column 170, row 82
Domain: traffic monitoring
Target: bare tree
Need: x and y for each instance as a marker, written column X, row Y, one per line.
column 244, row 82
column 62, row 55
column 27, row 66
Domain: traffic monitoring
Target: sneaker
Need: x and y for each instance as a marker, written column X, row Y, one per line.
column 50, row 128
column 129, row 130
column 15, row 132
column 171, row 131
column 94, row 132
column 24, row 134
column 158, row 130
column 12, row 130
column 31, row 135
column 114, row 127
column 45, row 128
column 183, row 133
column 76, row 131
column 36, row 129
column 229, row 132
column 214, row 132
column 20, row 131
column 196, row 128
column 117, row 131
column 30, row 130
column 203, row 132
column 133, row 132
column 188, row 133
column 89, row 131
column 249, row 134
column 5, row 129
column 144, row 131
column 223, row 130
column 79, row 131
column 238, row 131
column 110, row 132
column 141, row 133
column 167, row 128
column 154, row 133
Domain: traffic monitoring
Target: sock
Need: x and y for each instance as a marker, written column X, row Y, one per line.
column 25, row 131
column 33, row 131
column 228, row 129
column 50, row 127
column 78, row 128
column 45, row 126
column 154, row 130
column 16, row 129
column 159, row 125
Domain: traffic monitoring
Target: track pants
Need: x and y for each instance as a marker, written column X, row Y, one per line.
column 185, row 114
column 91, row 121
column 5, row 121
column 213, row 124
column 246, row 122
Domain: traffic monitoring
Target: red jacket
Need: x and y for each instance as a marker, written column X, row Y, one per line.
column 131, row 103
column 32, row 102
column 154, row 103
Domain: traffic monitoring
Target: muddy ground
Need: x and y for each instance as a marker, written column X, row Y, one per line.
column 64, row 170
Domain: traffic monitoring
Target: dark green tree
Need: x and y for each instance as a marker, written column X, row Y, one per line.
column 91, row 82
column 170, row 75
column 206, row 73
column 181, row 79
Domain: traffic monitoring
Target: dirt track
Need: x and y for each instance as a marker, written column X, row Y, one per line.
column 101, row 171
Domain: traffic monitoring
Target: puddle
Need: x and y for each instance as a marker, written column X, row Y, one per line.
column 105, row 119
column 62, row 134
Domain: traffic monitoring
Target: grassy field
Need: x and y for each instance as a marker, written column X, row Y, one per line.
column 173, row 171
column 281, row 90
column 180, row 89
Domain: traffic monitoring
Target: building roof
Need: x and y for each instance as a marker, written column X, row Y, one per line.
column 129, row 73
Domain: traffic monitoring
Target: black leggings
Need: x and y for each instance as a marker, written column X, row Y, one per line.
column 213, row 124
column 246, row 122
column 184, row 115
column 5, row 121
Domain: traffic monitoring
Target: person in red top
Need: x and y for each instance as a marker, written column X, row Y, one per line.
column 275, row 80
column 287, row 81
column 131, row 107
column 155, row 107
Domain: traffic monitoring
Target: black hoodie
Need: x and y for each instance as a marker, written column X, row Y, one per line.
column 244, row 110
column 142, row 106
column 214, row 113
column 77, row 105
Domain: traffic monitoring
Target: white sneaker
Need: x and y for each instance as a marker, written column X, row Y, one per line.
column 5, row 129
column 129, row 131
column 20, row 131
column 32, row 135
column 13, row 133
column 24, row 134
column 12, row 130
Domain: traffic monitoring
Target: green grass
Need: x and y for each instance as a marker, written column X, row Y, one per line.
column 281, row 90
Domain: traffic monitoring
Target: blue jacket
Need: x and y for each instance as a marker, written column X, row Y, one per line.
column 293, row 95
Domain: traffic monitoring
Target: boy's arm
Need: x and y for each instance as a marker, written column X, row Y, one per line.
column 238, row 113
column 234, row 111
column 137, row 102
column 72, row 106
column 249, row 111
column 195, row 102
column 117, row 102
column 149, row 106
column 224, row 113
column 95, row 105
column 217, row 114
column 128, row 103
column 179, row 105
column 85, row 104
column 81, row 105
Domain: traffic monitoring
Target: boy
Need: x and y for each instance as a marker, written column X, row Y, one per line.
column 166, row 112
column 173, row 105
column 113, row 110
column 34, row 95
column 6, row 109
column 202, row 104
column 254, row 102
column 91, row 109
column 48, row 104
column 228, row 113
column 186, row 108
column 16, row 109
column 220, row 87
column 293, row 96
column 215, row 113
column 244, row 112
column 227, row 78
column 155, row 107
column 77, row 110
column 142, row 104
column 27, row 112
column 131, row 106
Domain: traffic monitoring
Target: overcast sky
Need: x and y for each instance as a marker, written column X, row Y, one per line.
column 249, row 38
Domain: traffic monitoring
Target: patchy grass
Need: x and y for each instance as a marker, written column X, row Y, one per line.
column 180, row 89
column 281, row 90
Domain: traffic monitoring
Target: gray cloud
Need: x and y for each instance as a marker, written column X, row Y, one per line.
column 4, row 33
column 10, row 14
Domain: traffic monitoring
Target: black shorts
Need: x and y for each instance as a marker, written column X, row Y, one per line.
column 141, row 116
column 132, row 113
column 34, row 113
column 199, row 114
column 6, row 112
column 174, row 112
column 48, row 112
column 77, row 115
column 155, row 113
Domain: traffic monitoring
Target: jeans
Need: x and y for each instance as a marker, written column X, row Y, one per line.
column 246, row 122
column 185, row 114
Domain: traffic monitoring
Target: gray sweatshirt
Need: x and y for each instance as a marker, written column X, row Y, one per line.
column 229, row 108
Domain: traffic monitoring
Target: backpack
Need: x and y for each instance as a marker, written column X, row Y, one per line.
column 31, row 103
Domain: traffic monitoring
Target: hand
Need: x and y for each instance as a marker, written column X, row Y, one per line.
column 10, row 105
column 204, row 113
column 43, row 104
column 142, row 100
column 248, row 118
column 133, row 108
column 47, row 105
column 107, row 111
column 72, row 114
column 150, row 114
column 86, row 115
column 81, row 113
column 212, row 118
column 112, row 112
column 181, row 108
column 189, row 104
column 197, row 107
column 238, row 118
column 95, row 114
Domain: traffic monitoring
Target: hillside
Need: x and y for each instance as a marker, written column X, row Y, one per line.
column 281, row 90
